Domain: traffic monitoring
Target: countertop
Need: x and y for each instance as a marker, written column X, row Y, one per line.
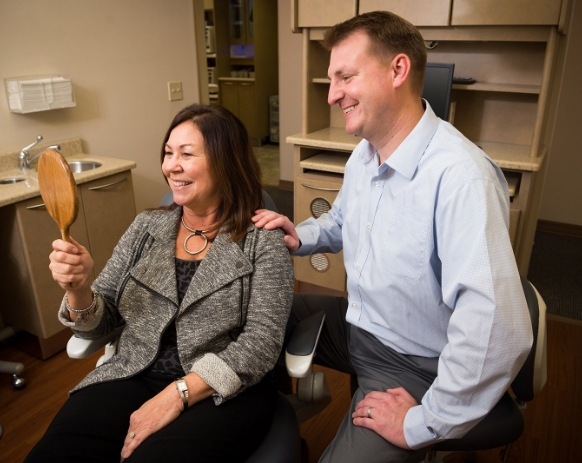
column 72, row 150
column 507, row 156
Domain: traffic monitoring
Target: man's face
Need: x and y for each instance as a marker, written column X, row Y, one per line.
column 361, row 85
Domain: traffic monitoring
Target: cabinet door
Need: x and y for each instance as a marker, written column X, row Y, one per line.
column 109, row 209
column 323, row 13
column 229, row 96
column 30, row 296
column 505, row 12
column 236, row 21
column 248, row 112
column 240, row 98
column 419, row 12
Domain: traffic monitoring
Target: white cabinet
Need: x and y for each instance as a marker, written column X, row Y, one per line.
column 505, row 111
column 418, row 12
column 30, row 297
column 469, row 12
column 323, row 13
column 505, row 12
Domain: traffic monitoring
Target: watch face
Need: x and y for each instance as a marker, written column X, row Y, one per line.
column 182, row 390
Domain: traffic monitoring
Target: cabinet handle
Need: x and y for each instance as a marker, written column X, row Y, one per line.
column 36, row 206
column 319, row 188
column 107, row 185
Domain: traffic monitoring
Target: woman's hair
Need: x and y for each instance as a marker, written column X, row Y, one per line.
column 389, row 35
column 231, row 161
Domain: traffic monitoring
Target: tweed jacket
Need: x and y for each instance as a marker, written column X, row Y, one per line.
column 230, row 324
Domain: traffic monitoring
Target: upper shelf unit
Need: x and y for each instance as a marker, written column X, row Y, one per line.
column 323, row 13
column 502, row 111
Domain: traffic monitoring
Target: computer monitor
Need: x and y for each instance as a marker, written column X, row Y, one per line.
column 438, row 82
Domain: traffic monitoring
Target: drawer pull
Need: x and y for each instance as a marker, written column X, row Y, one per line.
column 36, row 206
column 107, row 185
column 319, row 188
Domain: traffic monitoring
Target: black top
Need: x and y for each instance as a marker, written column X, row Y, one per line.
column 167, row 362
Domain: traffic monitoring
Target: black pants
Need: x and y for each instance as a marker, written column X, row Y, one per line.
column 93, row 423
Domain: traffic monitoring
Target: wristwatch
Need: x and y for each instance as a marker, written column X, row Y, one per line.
column 183, row 391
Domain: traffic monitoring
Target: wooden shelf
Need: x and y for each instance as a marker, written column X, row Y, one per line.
column 326, row 162
column 331, row 138
column 502, row 88
column 506, row 155
column 475, row 87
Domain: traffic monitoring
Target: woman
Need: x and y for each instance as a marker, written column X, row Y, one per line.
column 204, row 297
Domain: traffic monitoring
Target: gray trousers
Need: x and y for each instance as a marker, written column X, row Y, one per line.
column 376, row 367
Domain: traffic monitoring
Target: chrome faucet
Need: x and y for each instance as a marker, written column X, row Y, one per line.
column 24, row 156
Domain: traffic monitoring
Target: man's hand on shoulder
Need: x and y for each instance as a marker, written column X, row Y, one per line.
column 271, row 220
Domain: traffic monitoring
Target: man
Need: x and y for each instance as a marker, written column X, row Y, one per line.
column 437, row 323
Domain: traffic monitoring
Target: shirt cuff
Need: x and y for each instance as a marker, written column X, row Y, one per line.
column 416, row 432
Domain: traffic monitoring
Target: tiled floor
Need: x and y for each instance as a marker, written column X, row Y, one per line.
column 268, row 157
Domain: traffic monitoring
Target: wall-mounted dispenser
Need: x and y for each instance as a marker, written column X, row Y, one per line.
column 42, row 93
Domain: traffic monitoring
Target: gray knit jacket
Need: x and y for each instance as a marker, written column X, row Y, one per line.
column 230, row 324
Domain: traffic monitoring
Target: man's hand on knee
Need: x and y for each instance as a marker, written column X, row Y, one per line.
column 384, row 413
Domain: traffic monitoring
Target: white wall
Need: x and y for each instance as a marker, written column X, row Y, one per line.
column 120, row 56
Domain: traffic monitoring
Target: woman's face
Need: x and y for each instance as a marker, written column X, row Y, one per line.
column 185, row 166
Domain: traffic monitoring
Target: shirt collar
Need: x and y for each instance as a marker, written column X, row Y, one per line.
column 407, row 156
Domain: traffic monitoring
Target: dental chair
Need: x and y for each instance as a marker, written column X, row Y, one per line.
column 282, row 444
column 504, row 424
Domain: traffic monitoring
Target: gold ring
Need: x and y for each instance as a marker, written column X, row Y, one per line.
column 369, row 413
column 131, row 435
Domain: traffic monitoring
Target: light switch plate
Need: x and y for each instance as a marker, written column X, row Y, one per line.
column 175, row 91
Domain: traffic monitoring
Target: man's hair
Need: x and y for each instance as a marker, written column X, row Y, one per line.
column 389, row 35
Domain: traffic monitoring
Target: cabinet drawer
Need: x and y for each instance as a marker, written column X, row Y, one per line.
column 419, row 12
column 313, row 198
column 505, row 12
column 323, row 13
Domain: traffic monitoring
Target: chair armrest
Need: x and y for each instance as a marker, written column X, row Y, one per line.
column 301, row 346
column 79, row 348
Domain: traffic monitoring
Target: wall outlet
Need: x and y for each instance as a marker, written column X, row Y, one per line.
column 175, row 91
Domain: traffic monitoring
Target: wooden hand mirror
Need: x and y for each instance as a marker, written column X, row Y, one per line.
column 58, row 190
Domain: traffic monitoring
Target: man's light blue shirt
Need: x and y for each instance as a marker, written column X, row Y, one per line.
column 430, row 269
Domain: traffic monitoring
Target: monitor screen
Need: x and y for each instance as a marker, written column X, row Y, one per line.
column 438, row 81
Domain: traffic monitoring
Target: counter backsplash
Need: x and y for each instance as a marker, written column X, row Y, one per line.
column 70, row 147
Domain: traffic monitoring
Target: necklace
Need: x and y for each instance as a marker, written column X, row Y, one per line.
column 194, row 232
